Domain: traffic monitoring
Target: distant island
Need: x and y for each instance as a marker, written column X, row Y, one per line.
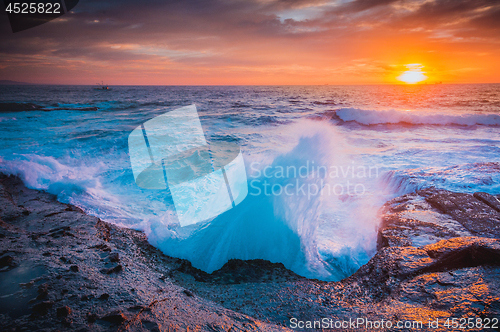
column 9, row 82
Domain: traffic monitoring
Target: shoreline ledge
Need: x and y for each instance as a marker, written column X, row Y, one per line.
column 438, row 257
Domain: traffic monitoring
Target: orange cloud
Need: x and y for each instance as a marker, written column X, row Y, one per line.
column 258, row 42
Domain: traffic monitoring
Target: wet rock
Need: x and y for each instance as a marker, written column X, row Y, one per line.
column 54, row 230
column 104, row 231
column 116, row 317
column 9, row 210
column 19, row 107
column 42, row 308
column 60, row 231
column 63, row 311
column 136, row 308
column 477, row 217
column 114, row 269
column 430, row 264
column 43, row 292
column 7, row 262
column 150, row 326
column 256, row 270
column 489, row 200
column 114, row 257
column 431, row 215
column 102, row 246
column 91, row 317
column 27, row 284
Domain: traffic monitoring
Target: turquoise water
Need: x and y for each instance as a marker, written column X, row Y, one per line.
column 358, row 147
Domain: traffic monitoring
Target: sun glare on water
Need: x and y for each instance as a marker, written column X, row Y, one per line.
column 413, row 75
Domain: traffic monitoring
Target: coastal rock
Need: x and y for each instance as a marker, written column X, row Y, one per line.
column 42, row 308
column 63, row 311
column 18, row 107
column 55, row 239
column 489, row 200
column 433, row 262
column 114, row 257
column 115, row 317
column 478, row 217
column 9, row 209
column 393, row 265
column 431, row 215
column 114, row 269
column 7, row 262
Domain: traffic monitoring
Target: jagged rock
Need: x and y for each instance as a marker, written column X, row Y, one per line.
column 115, row 317
column 431, row 215
column 392, row 265
column 433, row 262
column 114, row 257
column 42, row 308
column 489, row 200
column 9, row 210
column 114, row 269
column 255, row 270
column 27, row 284
column 19, row 107
column 7, row 262
column 477, row 217
column 43, row 291
column 150, row 326
column 91, row 317
column 63, row 311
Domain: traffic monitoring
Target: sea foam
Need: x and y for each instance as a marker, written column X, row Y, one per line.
column 279, row 227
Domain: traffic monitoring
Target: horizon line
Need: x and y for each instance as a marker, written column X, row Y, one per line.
column 18, row 83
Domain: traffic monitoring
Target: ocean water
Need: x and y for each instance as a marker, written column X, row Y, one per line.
column 320, row 161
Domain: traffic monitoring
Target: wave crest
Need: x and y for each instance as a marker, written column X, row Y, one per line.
column 377, row 117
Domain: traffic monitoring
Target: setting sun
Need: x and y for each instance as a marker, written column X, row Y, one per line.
column 413, row 75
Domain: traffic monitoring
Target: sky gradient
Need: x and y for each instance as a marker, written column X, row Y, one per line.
column 223, row 42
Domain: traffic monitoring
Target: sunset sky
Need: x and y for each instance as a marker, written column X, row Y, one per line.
column 218, row 42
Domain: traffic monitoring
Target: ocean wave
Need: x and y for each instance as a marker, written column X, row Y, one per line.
column 468, row 178
column 2, row 119
column 377, row 117
column 327, row 102
column 281, row 228
column 76, row 182
column 48, row 174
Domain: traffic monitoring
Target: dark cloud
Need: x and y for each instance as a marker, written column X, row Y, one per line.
column 446, row 12
column 239, row 33
column 362, row 5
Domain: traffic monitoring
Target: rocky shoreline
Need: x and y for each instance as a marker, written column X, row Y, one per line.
column 438, row 257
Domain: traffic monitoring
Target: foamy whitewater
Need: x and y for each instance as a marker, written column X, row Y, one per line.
column 320, row 161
